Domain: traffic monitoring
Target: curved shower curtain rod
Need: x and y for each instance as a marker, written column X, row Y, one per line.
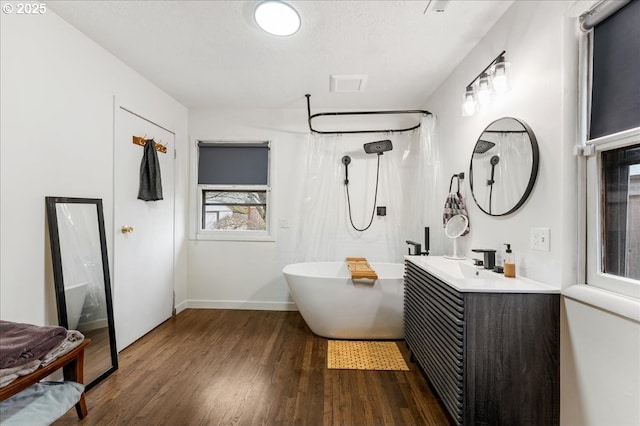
column 320, row 114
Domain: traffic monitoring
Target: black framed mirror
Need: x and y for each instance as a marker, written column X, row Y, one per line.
column 504, row 166
column 82, row 281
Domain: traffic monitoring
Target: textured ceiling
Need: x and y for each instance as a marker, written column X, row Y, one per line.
column 211, row 54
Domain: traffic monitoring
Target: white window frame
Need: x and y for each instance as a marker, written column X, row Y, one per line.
column 592, row 215
column 595, row 276
column 196, row 208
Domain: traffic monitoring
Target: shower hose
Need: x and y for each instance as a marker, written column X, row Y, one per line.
column 375, row 200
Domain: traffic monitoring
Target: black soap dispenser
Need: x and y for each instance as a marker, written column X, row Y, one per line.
column 509, row 263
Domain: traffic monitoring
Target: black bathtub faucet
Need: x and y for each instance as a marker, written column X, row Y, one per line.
column 417, row 247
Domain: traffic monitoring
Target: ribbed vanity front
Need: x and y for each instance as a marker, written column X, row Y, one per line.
column 434, row 330
column 492, row 358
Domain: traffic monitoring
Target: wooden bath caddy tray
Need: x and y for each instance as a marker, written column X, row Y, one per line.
column 360, row 269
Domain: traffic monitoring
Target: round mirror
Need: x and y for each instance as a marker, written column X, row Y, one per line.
column 454, row 228
column 504, row 166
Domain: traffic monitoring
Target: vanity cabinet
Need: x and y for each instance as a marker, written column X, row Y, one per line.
column 491, row 357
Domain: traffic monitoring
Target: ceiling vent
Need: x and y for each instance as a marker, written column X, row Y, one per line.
column 347, row 83
column 437, row 6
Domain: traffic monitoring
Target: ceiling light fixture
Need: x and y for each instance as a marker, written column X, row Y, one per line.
column 488, row 86
column 277, row 17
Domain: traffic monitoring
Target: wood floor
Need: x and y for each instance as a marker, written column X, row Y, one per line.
column 223, row 367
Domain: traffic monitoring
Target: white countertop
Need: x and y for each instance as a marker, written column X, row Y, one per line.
column 465, row 277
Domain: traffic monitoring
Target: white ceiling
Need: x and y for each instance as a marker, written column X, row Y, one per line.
column 211, row 54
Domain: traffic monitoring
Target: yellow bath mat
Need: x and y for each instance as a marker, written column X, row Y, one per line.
column 364, row 355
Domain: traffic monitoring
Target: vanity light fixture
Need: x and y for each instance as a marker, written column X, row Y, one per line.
column 277, row 17
column 491, row 83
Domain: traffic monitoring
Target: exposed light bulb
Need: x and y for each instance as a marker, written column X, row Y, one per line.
column 484, row 90
column 468, row 103
column 277, row 17
column 500, row 74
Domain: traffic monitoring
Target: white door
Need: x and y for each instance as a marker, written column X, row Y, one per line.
column 143, row 267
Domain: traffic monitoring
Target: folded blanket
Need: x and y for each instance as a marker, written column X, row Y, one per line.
column 8, row 375
column 74, row 338
column 40, row 404
column 22, row 343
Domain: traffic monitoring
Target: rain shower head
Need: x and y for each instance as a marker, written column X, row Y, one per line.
column 483, row 146
column 378, row 147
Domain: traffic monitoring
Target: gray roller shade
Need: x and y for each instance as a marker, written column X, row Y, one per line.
column 233, row 163
column 615, row 102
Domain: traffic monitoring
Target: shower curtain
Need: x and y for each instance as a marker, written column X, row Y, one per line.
column 408, row 177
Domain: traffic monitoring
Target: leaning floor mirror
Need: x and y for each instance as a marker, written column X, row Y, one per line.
column 81, row 275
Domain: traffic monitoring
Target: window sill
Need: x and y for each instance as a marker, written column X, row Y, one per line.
column 614, row 303
column 234, row 236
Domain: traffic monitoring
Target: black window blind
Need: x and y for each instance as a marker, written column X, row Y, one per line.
column 233, row 163
column 615, row 96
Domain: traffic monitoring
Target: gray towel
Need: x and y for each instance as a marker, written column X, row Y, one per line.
column 150, row 180
column 453, row 206
column 22, row 343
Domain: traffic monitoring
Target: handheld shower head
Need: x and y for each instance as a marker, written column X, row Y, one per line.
column 378, row 147
column 495, row 160
column 346, row 160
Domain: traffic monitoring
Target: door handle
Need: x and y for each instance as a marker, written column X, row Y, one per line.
column 126, row 229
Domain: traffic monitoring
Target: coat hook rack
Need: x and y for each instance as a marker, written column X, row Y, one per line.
column 142, row 141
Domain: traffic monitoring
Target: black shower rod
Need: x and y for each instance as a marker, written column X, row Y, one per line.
column 337, row 132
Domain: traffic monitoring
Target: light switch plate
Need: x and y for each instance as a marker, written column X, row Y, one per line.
column 540, row 239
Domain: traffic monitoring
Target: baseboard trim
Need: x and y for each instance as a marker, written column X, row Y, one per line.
column 239, row 304
column 181, row 307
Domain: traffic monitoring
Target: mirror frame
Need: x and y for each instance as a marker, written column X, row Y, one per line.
column 54, row 238
column 534, row 167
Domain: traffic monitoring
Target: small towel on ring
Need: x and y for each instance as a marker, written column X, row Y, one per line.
column 453, row 206
column 150, row 179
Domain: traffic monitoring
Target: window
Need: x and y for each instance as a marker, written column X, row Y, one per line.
column 613, row 169
column 621, row 212
column 234, row 210
column 233, row 190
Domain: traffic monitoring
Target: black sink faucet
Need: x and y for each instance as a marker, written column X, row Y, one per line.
column 489, row 257
column 417, row 248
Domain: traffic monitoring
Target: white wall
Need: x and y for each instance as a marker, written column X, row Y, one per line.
column 57, row 108
column 241, row 274
column 599, row 350
column 530, row 34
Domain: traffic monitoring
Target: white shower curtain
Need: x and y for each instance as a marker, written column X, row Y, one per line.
column 407, row 180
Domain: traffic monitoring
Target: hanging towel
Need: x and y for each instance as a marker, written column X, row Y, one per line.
column 150, row 180
column 453, row 206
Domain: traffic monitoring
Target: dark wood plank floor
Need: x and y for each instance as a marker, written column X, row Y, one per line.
column 250, row 368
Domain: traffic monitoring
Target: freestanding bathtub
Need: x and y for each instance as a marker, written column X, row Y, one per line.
column 335, row 306
column 74, row 297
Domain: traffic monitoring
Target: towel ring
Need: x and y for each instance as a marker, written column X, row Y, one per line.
column 459, row 177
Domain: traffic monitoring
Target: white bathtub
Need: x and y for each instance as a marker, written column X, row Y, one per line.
column 74, row 297
column 334, row 306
